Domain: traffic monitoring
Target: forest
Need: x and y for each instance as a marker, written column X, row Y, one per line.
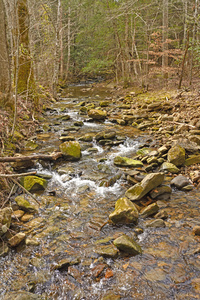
column 99, row 149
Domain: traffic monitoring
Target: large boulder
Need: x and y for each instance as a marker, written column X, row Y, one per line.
column 127, row 162
column 127, row 244
column 33, row 183
column 97, row 114
column 125, row 212
column 176, row 155
column 71, row 150
column 150, row 182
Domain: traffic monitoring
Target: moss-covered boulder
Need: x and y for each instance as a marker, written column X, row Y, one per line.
column 127, row 162
column 33, row 183
column 5, row 219
column 169, row 167
column 97, row 114
column 125, row 212
column 176, row 155
column 150, row 182
column 127, row 244
column 25, row 205
column 71, row 150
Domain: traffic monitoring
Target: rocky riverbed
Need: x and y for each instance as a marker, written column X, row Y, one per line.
column 117, row 216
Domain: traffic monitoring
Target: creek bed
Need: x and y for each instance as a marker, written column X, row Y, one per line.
column 72, row 225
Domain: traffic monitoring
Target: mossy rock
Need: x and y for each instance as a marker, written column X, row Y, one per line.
column 97, row 114
column 127, row 162
column 33, row 183
column 169, row 167
column 176, row 155
column 30, row 145
column 143, row 151
column 125, row 212
column 127, row 244
column 192, row 160
column 25, row 205
column 71, row 150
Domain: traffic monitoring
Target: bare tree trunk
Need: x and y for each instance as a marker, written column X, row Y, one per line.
column 183, row 62
column 56, row 54
column 165, row 35
column 68, row 41
column 193, row 39
column 5, row 71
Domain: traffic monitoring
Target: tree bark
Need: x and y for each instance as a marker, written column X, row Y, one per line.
column 53, row 156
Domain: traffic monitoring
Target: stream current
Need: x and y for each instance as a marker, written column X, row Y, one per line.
column 71, row 223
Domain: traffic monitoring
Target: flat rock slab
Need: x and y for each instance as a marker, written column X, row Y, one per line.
column 127, row 244
column 150, row 182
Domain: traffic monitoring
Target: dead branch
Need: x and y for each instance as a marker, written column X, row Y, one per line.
column 17, row 175
column 173, row 122
column 25, row 190
column 53, row 156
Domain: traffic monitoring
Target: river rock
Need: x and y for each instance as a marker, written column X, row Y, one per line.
column 195, row 139
column 127, row 244
column 21, row 295
column 25, row 205
column 161, row 215
column 109, row 251
column 17, row 239
column 196, row 230
column 87, row 137
column 5, row 219
column 156, row 223
column 104, row 103
column 149, row 210
column 169, row 167
column 176, row 155
column 97, row 114
column 127, row 162
column 71, row 150
column 193, row 159
column 33, row 183
column 180, row 181
column 159, row 191
column 125, row 212
column 150, row 182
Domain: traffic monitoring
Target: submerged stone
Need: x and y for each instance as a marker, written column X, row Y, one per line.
column 71, row 150
column 109, row 251
column 156, row 223
column 125, row 212
column 25, row 205
column 150, row 182
column 176, row 155
column 127, row 162
column 33, row 183
column 127, row 244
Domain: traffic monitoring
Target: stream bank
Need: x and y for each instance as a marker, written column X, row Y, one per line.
column 64, row 254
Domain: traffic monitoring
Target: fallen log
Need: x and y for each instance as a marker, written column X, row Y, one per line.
column 53, row 156
column 18, row 175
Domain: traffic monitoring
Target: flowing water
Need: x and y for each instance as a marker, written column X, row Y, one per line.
column 71, row 223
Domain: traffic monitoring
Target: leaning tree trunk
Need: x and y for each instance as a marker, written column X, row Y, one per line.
column 5, row 78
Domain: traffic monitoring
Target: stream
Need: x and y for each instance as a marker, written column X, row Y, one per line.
column 72, row 226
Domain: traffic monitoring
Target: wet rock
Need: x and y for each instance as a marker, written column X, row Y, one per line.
column 30, row 146
column 149, row 210
column 139, row 190
column 87, row 137
column 161, row 215
column 71, row 150
column 176, row 155
column 125, row 212
column 162, row 150
column 127, row 162
column 180, row 181
column 196, row 230
column 32, row 242
column 98, row 269
column 16, row 239
column 109, row 251
column 66, row 262
column 67, row 138
column 191, row 160
column 64, row 118
column 188, row 188
column 26, row 217
column 143, row 151
column 195, row 139
column 156, row 223
column 127, row 244
column 4, row 250
column 169, row 167
column 21, row 295
column 5, row 219
column 26, row 205
column 111, row 296
column 33, row 183
column 78, row 123
column 104, row 103
column 97, row 114
column 17, row 214
column 164, row 189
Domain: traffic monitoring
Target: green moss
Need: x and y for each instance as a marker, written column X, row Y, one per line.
column 33, row 183
column 71, row 150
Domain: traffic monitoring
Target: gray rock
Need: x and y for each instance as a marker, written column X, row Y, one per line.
column 150, row 182
column 156, row 223
column 155, row 193
column 180, row 181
